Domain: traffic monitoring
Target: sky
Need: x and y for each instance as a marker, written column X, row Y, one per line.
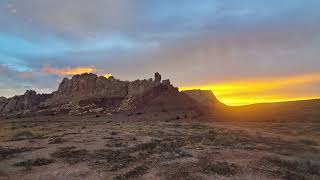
column 247, row 51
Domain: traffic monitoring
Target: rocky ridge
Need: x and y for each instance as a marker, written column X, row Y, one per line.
column 89, row 93
column 22, row 103
column 205, row 97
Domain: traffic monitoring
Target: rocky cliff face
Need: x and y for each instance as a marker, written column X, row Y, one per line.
column 88, row 86
column 89, row 93
column 19, row 104
column 164, row 98
column 2, row 100
column 86, row 89
column 204, row 97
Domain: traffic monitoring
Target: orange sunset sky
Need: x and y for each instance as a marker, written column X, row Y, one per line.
column 244, row 51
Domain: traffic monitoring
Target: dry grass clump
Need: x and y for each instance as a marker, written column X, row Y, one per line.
column 295, row 168
column 178, row 171
column 219, row 168
column 309, row 142
column 6, row 152
column 28, row 164
column 71, row 156
column 135, row 172
column 22, row 135
column 25, row 135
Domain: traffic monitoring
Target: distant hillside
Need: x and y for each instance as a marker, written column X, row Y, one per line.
column 294, row 111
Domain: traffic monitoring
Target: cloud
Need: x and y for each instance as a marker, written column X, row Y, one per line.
column 69, row 71
column 13, row 82
column 74, row 71
column 190, row 42
column 72, row 18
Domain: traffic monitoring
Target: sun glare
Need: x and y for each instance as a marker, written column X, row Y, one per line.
column 264, row 90
column 107, row 75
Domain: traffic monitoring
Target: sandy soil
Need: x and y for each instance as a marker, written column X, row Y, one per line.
column 156, row 146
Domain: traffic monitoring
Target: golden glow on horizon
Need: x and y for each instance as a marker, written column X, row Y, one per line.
column 69, row 71
column 259, row 90
column 107, row 75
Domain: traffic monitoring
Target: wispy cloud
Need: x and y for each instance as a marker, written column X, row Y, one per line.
column 69, row 71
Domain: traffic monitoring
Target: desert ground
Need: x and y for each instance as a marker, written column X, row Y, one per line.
column 156, row 146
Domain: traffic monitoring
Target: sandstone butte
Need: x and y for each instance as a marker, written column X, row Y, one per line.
column 89, row 93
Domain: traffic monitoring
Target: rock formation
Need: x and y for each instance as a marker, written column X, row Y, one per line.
column 164, row 98
column 157, row 78
column 89, row 93
column 19, row 104
column 2, row 99
column 88, row 86
column 204, row 97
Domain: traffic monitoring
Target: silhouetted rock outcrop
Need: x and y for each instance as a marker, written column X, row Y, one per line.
column 157, row 78
column 89, row 93
column 164, row 98
column 204, row 97
column 166, row 82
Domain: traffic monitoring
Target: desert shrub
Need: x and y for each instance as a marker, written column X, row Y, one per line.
column 136, row 172
column 197, row 126
column 23, row 135
column 8, row 152
column 309, row 142
column 290, row 175
column 179, row 172
column 28, row 164
column 71, row 156
column 220, row 168
column 56, row 141
column 209, row 166
column 113, row 133
column 295, row 167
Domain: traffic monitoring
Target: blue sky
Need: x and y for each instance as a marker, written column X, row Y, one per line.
column 192, row 42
